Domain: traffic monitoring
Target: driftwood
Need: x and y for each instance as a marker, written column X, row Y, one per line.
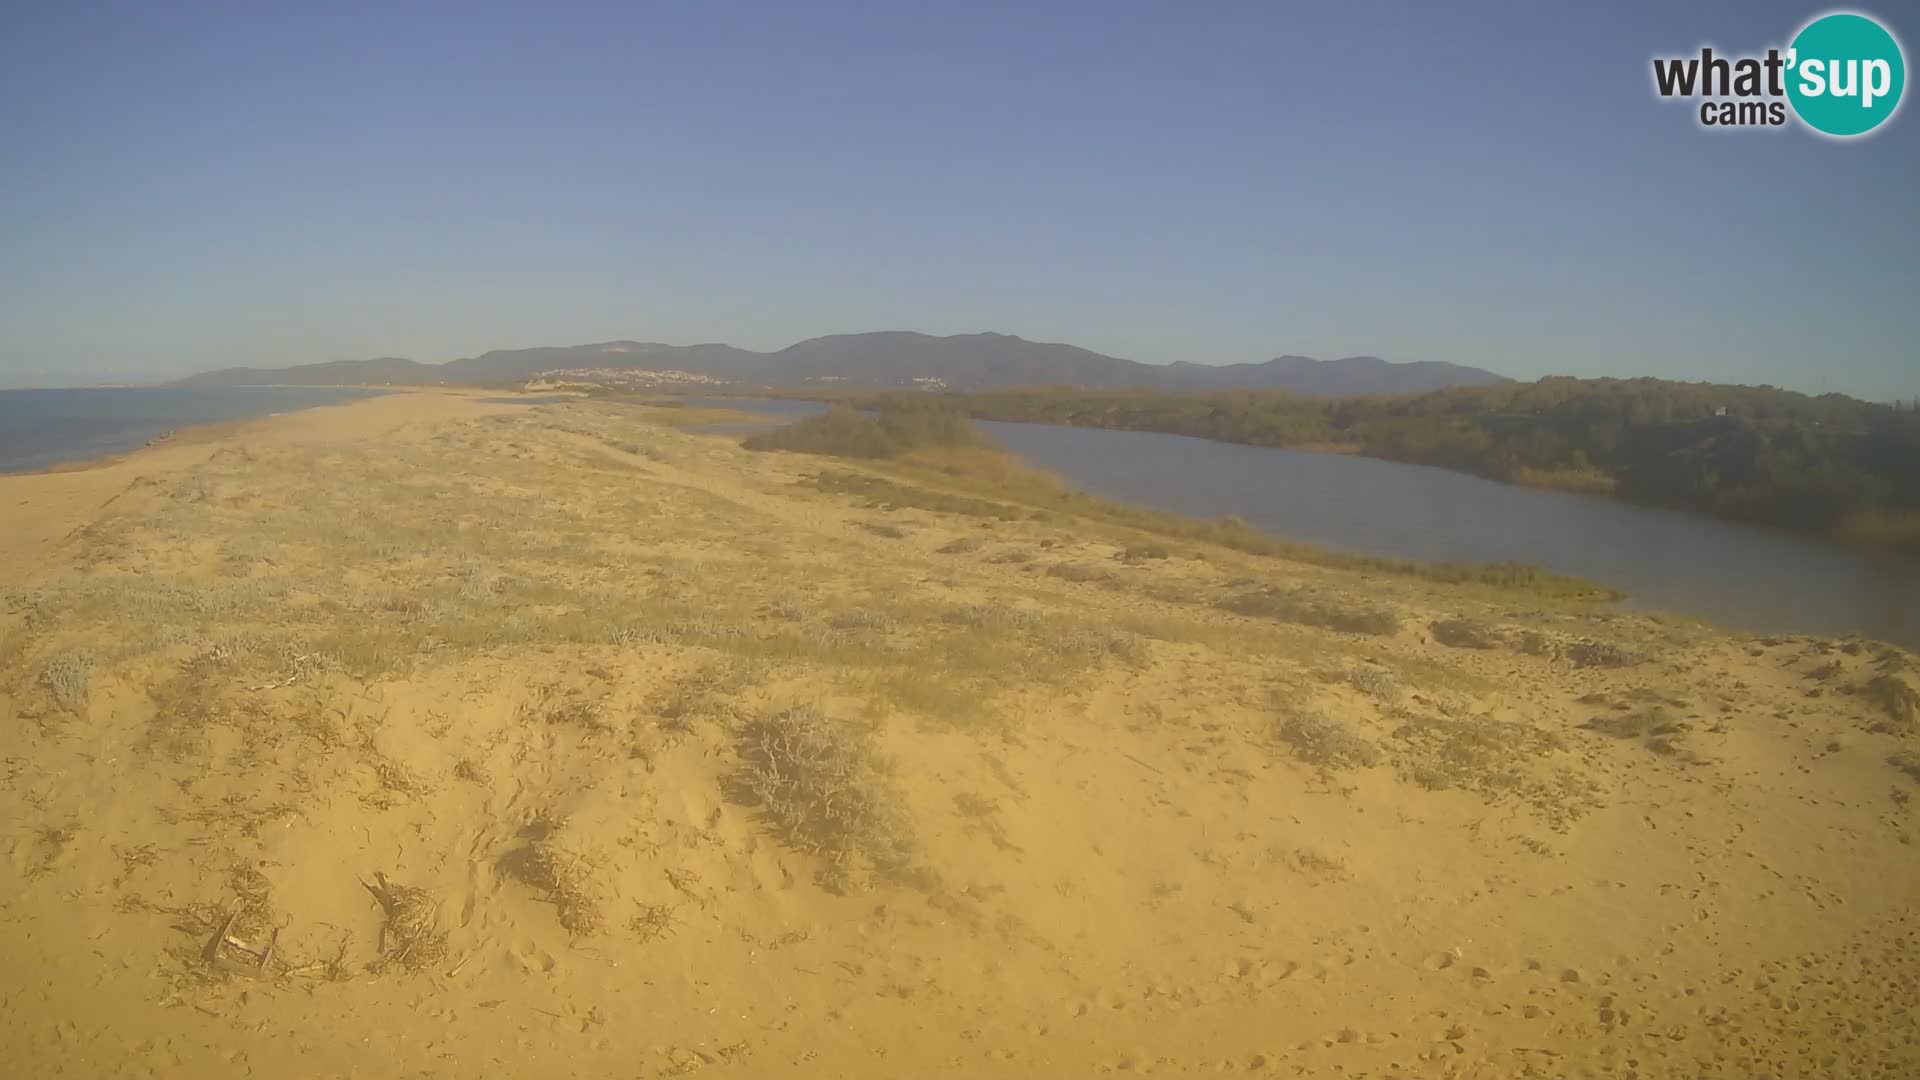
column 258, row 957
column 266, row 954
column 211, row 954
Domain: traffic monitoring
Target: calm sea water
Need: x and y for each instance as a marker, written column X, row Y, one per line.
column 1735, row 575
column 39, row 428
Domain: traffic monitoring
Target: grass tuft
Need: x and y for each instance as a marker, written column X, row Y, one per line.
column 1464, row 634
column 564, row 876
column 820, row 787
column 67, row 677
column 1656, row 722
column 1371, row 681
column 1326, row 742
column 1477, row 753
column 1898, row 700
column 1067, row 571
column 1591, row 653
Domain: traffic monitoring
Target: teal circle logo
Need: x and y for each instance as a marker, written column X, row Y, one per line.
column 1845, row 73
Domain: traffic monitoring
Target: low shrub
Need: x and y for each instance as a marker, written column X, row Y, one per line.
column 1599, row 654
column 1464, row 634
column 1333, row 744
column 67, row 677
column 822, row 791
column 1308, row 610
column 1078, row 572
column 1656, row 721
column 1898, row 700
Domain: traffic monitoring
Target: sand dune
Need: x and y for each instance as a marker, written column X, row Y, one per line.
column 426, row 736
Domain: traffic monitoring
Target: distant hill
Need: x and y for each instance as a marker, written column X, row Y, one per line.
column 889, row 359
column 1330, row 378
column 386, row 369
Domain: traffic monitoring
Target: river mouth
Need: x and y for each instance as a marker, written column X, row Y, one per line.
column 1738, row 576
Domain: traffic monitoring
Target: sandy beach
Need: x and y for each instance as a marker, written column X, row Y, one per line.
column 432, row 736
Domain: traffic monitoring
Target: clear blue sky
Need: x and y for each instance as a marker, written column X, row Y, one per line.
column 185, row 187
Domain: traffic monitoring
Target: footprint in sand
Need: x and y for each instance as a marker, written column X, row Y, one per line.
column 462, row 904
column 532, row 959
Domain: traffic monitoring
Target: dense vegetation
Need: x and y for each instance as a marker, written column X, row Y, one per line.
column 843, row 432
column 1831, row 465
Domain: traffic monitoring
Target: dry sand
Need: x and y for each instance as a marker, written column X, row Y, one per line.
column 559, row 742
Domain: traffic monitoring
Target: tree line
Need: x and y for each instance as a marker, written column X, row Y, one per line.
column 1830, row 465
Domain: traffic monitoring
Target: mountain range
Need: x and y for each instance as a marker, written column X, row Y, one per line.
column 887, row 358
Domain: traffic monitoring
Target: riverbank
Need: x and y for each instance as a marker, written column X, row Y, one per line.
column 1370, row 514
column 1831, row 468
column 949, row 464
column 440, row 735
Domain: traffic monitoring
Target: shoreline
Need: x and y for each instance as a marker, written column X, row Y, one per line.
column 49, row 505
column 189, row 435
column 177, row 434
column 215, row 430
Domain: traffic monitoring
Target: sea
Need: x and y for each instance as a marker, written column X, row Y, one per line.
column 43, row 428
